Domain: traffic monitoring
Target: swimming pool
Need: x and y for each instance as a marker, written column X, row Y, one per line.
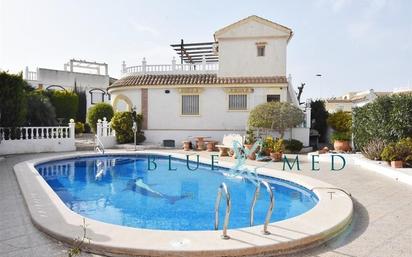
column 125, row 192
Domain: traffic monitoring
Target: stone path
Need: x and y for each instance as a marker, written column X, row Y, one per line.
column 381, row 227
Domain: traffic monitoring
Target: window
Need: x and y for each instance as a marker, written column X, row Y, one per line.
column 260, row 50
column 190, row 104
column 273, row 98
column 96, row 96
column 237, row 102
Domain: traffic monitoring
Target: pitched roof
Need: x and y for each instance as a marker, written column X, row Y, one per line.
column 192, row 79
column 257, row 19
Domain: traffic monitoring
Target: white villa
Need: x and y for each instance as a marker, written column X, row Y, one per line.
column 215, row 85
column 93, row 77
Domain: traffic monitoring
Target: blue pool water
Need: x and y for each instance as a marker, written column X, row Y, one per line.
column 129, row 194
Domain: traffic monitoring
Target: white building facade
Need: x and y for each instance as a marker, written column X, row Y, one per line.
column 92, row 77
column 211, row 95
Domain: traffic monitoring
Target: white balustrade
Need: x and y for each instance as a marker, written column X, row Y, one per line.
column 37, row 139
column 174, row 68
column 105, row 134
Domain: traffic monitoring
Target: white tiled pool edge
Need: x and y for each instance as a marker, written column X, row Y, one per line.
column 330, row 216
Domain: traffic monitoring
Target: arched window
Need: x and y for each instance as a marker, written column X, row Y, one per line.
column 53, row 87
column 96, row 95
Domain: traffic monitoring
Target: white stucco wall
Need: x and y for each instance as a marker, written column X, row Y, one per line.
column 238, row 57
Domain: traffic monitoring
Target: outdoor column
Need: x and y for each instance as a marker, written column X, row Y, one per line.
column 71, row 128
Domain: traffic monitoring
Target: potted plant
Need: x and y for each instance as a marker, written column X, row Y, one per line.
column 249, row 141
column 267, row 145
column 277, row 150
column 341, row 141
column 391, row 153
column 341, row 123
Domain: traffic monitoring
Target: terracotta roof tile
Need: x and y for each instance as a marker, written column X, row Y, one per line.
column 192, row 79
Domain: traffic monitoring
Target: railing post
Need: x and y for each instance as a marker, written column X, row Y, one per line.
column 174, row 63
column 71, row 128
column 105, row 128
column 123, row 67
column 26, row 76
column 144, row 64
column 203, row 62
column 308, row 117
column 99, row 128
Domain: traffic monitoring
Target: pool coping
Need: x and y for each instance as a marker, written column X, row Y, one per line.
column 331, row 215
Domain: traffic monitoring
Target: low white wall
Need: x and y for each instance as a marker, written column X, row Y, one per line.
column 108, row 141
column 37, row 146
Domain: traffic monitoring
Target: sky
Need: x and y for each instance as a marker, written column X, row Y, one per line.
column 354, row 44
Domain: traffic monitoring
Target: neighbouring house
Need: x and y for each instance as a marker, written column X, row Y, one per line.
column 215, row 85
column 93, row 77
column 352, row 100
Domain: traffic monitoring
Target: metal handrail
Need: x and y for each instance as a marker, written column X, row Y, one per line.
column 252, row 207
column 271, row 206
column 99, row 145
column 223, row 188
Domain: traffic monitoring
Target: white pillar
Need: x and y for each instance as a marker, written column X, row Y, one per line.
column 308, row 117
column 174, row 63
column 104, row 127
column 123, row 67
column 144, row 64
column 71, row 65
column 26, row 75
column 203, row 62
column 106, row 69
column 99, row 128
column 71, row 128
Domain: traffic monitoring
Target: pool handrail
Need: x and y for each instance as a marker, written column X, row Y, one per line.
column 271, row 206
column 99, row 145
column 223, row 188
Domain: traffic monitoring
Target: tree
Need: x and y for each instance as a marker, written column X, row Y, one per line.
column 99, row 111
column 40, row 111
column 277, row 116
column 82, row 104
column 319, row 116
column 13, row 108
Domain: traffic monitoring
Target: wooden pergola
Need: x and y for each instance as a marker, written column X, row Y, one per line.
column 195, row 52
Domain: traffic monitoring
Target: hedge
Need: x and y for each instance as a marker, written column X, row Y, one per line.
column 387, row 118
column 65, row 102
column 122, row 123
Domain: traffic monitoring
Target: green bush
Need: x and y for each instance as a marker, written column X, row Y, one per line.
column 65, row 103
column 387, row 118
column 40, row 111
column 13, row 106
column 340, row 136
column 278, row 116
column 79, row 127
column 400, row 151
column 122, row 123
column 340, row 121
column 293, row 145
column 99, row 111
column 319, row 115
column 82, row 105
column 373, row 149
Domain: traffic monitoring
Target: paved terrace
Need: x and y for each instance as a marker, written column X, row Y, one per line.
column 382, row 223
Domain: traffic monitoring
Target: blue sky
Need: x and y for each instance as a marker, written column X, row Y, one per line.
column 354, row 44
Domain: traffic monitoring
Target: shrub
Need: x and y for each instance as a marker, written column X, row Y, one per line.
column 340, row 121
column 341, row 136
column 250, row 137
column 40, row 111
column 65, row 103
column 293, row 145
column 373, row 149
column 278, row 145
column 87, row 128
column 82, row 104
column 79, row 127
column 319, row 115
column 99, row 111
column 13, row 107
column 400, row 151
column 278, row 116
column 387, row 118
column 122, row 123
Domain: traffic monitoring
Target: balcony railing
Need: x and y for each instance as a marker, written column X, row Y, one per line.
column 174, row 68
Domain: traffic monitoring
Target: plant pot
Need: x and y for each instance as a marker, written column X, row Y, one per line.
column 276, row 156
column 341, row 146
column 267, row 151
column 397, row 164
column 251, row 156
